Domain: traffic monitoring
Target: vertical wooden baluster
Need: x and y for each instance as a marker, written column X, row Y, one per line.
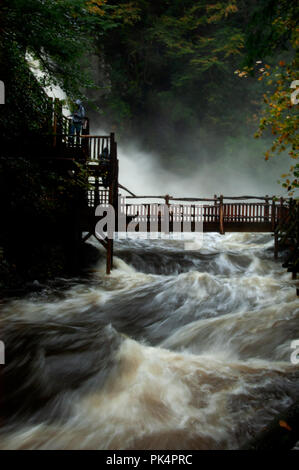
column 275, row 245
column 221, row 224
column 273, row 211
column 281, row 209
column 266, row 219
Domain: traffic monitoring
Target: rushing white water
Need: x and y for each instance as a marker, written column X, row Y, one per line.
column 175, row 349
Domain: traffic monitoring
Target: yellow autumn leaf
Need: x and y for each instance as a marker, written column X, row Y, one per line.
column 285, row 425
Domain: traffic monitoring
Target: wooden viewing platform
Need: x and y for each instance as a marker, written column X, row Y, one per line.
column 98, row 156
column 219, row 214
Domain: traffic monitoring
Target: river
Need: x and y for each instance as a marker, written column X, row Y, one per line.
column 176, row 349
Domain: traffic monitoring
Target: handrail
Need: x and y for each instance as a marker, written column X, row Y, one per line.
column 193, row 199
column 81, row 135
column 126, row 189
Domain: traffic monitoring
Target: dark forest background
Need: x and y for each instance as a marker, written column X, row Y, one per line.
column 169, row 74
column 174, row 75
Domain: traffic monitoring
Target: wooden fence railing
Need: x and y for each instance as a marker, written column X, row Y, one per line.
column 218, row 212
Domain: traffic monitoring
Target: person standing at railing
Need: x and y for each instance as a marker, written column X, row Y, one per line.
column 77, row 121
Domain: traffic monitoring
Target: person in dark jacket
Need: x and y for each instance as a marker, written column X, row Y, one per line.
column 77, row 120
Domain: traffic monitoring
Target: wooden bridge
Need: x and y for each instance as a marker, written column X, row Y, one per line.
column 98, row 156
column 218, row 214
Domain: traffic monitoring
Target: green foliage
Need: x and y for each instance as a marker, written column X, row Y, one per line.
column 280, row 113
column 38, row 203
column 288, row 233
column 270, row 29
column 25, row 101
column 174, row 62
column 58, row 33
column 273, row 29
column 38, row 206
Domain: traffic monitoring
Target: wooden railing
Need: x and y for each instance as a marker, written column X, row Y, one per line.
column 218, row 213
column 102, row 167
column 98, row 147
column 95, row 146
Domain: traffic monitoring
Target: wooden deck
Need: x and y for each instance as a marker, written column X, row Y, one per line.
column 220, row 214
column 97, row 154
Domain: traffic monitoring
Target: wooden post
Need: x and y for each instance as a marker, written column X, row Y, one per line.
column 59, row 121
column 281, row 209
column 85, row 141
column 275, row 246
column 56, row 120
column 273, row 215
column 266, row 217
column 115, row 191
column 85, row 128
column 109, row 263
column 96, row 191
column 221, row 225
column 49, row 123
column 113, row 198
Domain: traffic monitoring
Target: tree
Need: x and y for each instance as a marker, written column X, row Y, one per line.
column 34, row 193
column 273, row 29
column 171, row 66
column 59, row 33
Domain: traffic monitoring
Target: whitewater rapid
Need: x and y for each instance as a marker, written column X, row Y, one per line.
column 176, row 349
